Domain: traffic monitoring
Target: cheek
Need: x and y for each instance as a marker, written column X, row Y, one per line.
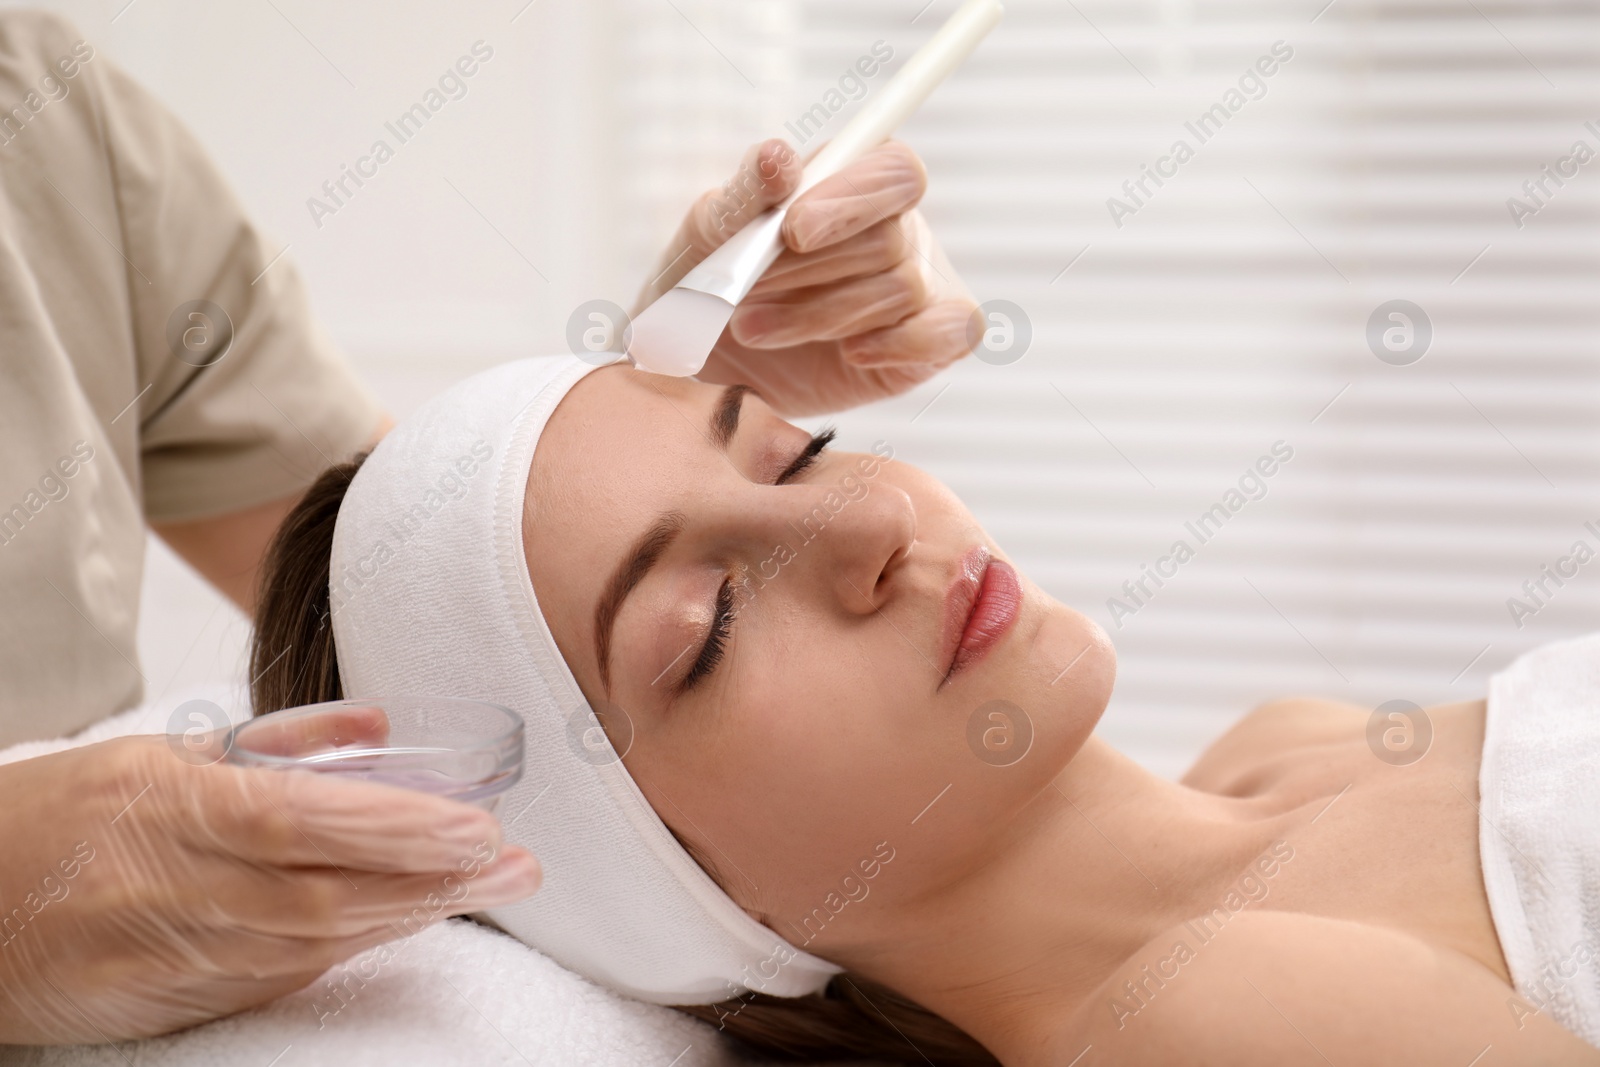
column 806, row 762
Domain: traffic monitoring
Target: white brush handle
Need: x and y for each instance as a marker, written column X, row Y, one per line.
column 734, row 268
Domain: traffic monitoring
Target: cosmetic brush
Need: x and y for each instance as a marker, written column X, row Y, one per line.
column 676, row 333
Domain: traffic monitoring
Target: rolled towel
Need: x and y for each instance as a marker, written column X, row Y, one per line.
column 1539, row 829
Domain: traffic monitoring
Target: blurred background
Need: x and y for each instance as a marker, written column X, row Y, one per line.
column 1160, row 348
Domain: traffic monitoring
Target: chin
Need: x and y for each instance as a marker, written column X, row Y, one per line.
column 1050, row 686
column 1096, row 673
column 1068, row 648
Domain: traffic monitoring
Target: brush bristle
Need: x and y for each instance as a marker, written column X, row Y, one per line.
column 675, row 334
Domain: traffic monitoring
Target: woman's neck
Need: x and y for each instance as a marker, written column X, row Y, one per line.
column 1096, row 865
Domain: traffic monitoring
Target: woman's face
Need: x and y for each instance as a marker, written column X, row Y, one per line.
column 768, row 636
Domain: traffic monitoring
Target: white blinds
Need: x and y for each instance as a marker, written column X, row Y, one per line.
column 1229, row 312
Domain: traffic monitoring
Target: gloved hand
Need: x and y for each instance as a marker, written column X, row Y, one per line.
column 862, row 304
column 141, row 893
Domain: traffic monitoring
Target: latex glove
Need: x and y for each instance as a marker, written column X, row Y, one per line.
column 862, row 304
column 142, row 893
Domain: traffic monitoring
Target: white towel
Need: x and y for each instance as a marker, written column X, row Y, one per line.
column 456, row 994
column 1539, row 828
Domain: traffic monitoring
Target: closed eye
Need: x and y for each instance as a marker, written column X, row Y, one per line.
column 716, row 642
column 807, row 456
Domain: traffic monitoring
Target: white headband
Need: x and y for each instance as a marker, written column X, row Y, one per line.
column 430, row 596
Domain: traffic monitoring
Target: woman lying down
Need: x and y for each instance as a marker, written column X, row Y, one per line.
column 789, row 812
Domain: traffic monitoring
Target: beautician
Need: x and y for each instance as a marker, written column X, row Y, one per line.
column 142, row 891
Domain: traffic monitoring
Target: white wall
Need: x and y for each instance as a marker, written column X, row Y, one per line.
column 286, row 93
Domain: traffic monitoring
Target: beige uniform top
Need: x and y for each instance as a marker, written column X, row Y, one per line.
column 124, row 393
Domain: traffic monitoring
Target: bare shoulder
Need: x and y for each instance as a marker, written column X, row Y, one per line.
column 1275, row 988
column 1273, row 727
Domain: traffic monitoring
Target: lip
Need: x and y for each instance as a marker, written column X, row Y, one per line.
column 979, row 608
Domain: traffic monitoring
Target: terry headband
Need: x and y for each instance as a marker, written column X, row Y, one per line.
column 430, row 596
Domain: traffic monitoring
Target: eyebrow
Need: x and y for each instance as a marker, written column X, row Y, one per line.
column 647, row 551
column 725, row 417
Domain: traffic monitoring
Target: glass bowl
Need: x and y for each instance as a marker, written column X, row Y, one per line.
column 468, row 750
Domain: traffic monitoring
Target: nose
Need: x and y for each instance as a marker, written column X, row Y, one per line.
column 851, row 546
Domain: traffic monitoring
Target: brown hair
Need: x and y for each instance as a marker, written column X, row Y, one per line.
column 293, row 662
column 292, row 659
